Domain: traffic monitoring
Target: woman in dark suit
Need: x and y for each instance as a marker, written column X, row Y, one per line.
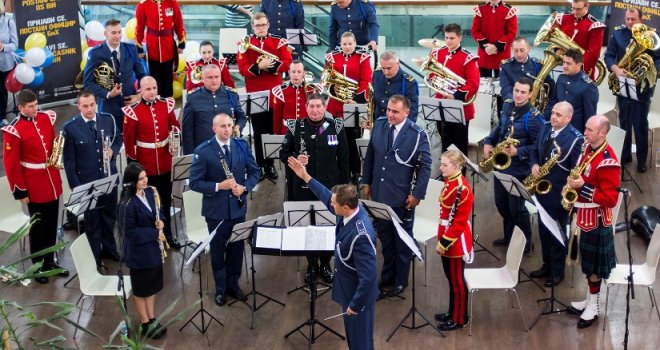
column 142, row 247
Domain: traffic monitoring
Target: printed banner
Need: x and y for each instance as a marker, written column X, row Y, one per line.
column 650, row 12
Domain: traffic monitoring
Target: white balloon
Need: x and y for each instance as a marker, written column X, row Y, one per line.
column 86, row 53
column 94, row 30
column 124, row 38
column 191, row 51
column 35, row 57
column 24, row 73
column 194, row 57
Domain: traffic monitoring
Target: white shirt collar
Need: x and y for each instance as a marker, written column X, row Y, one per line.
column 86, row 120
column 228, row 143
column 399, row 126
column 348, row 218
column 556, row 132
column 113, row 48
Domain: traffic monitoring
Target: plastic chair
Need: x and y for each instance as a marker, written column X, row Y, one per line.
column 12, row 216
column 615, row 138
column 654, row 123
column 479, row 127
column 426, row 218
column 92, row 283
column 606, row 101
column 643, row 275
column 505, row 277
column 196, row 228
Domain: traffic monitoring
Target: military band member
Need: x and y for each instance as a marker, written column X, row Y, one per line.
column 161, row 19
column 84, row 162
column 520, row 65
column 319, row 143
column 356, row 66
column 285, row 14
column 597, row 195
column 586, row 31
column 263, row 73
column 576, row 88
column 633, row 114
column 389, row 80
column 354, row 286
column 194, row 76
column 289, row 100
column 555, row 139
column 224, row 201
column 461, row 62
column 147, row 125
column 204, row 104
column 126, row 68
column 525, row 122
column 28, row 145
column 398, row 148
column 357, row 17
column 494, row 27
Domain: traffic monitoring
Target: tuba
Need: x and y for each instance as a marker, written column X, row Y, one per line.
column 105, row 76
column 174, row 139
column 55, row 159
column 638, row 64
column 541, row 90
column 244, row 45
column 441, row 79
column 498, row 158
column 538, row 184
column 339, row 86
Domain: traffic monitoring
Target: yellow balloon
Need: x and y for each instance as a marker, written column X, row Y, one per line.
column 83, row 46
column 182, row 64
column 130, row 28
column 177, row 89
column 181, row 78
column 83, row 63
column 37, row 40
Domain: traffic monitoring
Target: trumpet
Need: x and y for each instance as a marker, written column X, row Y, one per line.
column 534, row 184
column 106, row 153
column 498, row 158
column 244, row 45
column 174, row 141
column 55, row 159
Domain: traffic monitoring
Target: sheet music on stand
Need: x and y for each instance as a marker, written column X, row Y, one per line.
column 307, row 213
column 85, row 197
column 297, row 36
column 468, row 163
column 181, row 168
column 255, row 102
column 271, row 145
column 513, row 186
column 201, row 246
column 295, row 240
column 355, row 114
column 271, row 220
column 628, row 88
column 550, row 223
column 442, row 110
column 384, row 212
column 241, row 231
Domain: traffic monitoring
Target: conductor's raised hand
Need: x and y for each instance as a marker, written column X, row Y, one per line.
column 299, row 169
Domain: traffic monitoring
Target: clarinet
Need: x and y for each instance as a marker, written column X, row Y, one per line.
column 230, row 175
column 452, row 212
column 413, row 183
column 303, row 152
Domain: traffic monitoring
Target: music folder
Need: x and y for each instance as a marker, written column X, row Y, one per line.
column 293, row 241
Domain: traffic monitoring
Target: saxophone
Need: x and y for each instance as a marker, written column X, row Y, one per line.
column 568, row 194
column 498, row 158
column 55, row 159
column 230, row 175
column 539, row 185
column 162, row 242
column 638, row 64
column 106, row 153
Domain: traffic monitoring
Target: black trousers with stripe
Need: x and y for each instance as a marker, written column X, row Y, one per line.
column 458, row 293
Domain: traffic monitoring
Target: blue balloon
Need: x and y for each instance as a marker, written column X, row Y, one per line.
column 38, row 78
column 145, row 66
column 20, row 53
column 49, row 58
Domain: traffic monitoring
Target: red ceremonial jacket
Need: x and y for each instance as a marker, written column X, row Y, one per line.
column 289, row 102
column 194, row 73
column 587, row 32
column 464, row 64
column 161, row 19
column 452, row 235
column 495, row 24
column 259, row 80
column 599, row 194
column 146, row 129
column 356, row 66
column 28, row 145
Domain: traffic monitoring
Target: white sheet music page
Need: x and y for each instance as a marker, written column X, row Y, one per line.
column 319, row 238
column 293, row 238
column 269, row 237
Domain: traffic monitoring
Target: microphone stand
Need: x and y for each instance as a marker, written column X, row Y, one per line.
column 630, row 293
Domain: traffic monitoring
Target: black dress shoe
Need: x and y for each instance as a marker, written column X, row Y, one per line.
column 381, row 295
column 387, row 283
column 237, row 294
column 312, row 272
column 271, row 173
column 641, row 169
column 41, row 280
column 396, row 290
column 220, row 300
column 356, row 179
column 586, row 323
column 114, row 256
column 449, row 325
column 326, row 274
column 262, row 174
column 540, row 273
column 443, row 317
column 159, row 327
column 501, row 241
column 551, row 282
column 53, row 266
column 173, row 242
column 574, row 311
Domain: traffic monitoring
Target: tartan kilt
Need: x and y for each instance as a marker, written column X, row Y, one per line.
column 597, row 252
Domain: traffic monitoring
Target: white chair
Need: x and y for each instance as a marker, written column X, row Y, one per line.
column 196, row 228
column 426, row 217
column 606, row 101
column 643, row 275
column 505, row 277
column 12, row 216
column 615, row 138
column 92, row 283
column 654, row 123
column 479, row 127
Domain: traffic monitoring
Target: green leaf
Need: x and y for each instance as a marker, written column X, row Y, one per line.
column 22, row 231
column 82, row 328
column 51, row 249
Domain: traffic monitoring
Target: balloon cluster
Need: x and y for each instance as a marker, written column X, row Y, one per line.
column 31, row 61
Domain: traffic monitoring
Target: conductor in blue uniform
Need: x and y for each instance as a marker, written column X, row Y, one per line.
column 204, row 104
column 356, row 16
column 354, row 286
column 390, row 80
column 126, row 67
column 224, row 201
column 396, row 172
column 83, row 163
column 575, row 87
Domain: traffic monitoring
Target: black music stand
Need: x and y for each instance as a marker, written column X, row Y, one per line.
column 516, row 189
column 442, row 111
column 180, row 172
column 254, row 103
column 628, row 90
column 308, row 213
column 196, row 254
column 355, row 114
column 272, row 144
column 244, row 232
column 474, row 173
column 297, row 36
column 384, row 212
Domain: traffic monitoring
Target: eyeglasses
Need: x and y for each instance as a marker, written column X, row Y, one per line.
column 260, row 25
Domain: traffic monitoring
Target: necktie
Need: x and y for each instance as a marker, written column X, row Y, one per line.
column 90, row 124
column 115, row 60
column 548, row 143
column 340, row 225
column 390, row 142
column 227, row 153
